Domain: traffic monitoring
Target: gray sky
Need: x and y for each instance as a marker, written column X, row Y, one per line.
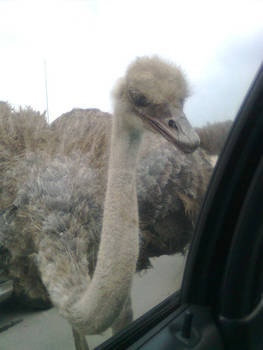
column 88, row 44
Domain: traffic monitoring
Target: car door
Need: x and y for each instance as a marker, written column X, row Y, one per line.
column 220, row 303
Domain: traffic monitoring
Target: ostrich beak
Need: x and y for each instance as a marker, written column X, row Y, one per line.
column 174, row 127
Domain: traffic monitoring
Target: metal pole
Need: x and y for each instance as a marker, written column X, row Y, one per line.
column 45, row 74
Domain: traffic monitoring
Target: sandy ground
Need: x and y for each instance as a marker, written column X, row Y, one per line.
column 46, row 330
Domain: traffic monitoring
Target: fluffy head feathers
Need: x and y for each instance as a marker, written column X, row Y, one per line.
column 159, row 81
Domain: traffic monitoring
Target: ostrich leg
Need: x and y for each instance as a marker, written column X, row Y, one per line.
column 79, row 341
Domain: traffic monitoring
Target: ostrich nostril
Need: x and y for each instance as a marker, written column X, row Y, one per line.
column 172, row 124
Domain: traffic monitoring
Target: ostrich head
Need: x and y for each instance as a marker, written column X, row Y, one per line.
column 151, row 96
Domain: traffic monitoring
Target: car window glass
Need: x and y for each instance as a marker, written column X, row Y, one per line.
column 59, row 63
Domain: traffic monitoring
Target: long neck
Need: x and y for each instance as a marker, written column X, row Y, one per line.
column 119, row 245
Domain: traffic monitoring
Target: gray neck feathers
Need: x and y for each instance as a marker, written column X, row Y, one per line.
column 119, row 247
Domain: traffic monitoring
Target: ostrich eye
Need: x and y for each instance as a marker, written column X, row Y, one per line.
column 139, row 100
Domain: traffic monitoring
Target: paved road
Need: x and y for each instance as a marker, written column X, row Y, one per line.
column 46, row 330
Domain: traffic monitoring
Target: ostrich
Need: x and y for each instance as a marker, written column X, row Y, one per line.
column 170, row 187
column 84, row 271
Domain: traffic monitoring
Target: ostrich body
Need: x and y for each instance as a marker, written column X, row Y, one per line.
column 170, row 183
column 170, row 187
column 91, row 285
